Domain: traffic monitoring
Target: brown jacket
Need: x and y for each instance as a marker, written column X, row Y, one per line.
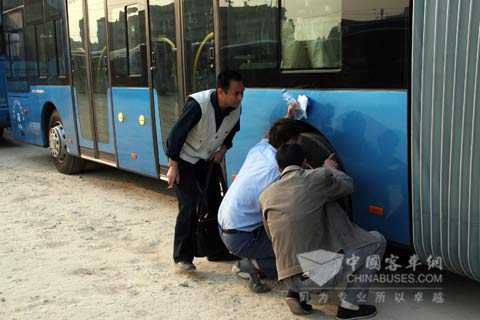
column 301, row 215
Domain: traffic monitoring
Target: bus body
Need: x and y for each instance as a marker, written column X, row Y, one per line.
column 106, row 80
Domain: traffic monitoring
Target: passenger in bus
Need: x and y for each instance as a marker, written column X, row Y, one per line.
column 302, row 216
column 202, row 135
column 240, row 217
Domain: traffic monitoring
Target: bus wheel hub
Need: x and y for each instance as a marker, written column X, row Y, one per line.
column 57, row 143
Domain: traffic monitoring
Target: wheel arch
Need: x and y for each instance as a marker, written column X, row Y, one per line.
column 48, row 109
column 317, row 148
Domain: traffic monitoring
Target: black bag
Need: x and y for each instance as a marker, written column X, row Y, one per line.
column 207, row 236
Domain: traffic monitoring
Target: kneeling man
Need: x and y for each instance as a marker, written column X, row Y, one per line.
column 301, row 214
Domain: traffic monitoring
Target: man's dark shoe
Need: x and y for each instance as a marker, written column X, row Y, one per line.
column 365, row 311
column 183, row 266
column 227, row 256
column 296, row 306
column 244, row 265
column 248, row 275
column 256, row 285
column 252, row 282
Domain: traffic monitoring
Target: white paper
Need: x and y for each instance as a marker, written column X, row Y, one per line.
column 303, row 102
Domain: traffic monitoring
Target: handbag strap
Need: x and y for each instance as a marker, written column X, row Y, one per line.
column 203, row 190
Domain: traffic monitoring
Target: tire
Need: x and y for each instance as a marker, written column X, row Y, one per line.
column 317, row 149
column 1, row 132
column 64, row 162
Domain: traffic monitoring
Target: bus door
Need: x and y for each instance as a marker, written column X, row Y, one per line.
column 166, row 69
column 90, row 79
column 130, row 80
column 182, row 50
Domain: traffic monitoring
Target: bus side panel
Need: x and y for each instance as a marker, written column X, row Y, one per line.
column 134, row 141
column 60, row 97
column 19, row 104
column 369, row 131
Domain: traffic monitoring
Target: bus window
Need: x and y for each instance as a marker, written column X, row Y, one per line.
column 317, row 43
column 133, row 40
column 311, row 34
column 14, row 42
column 15, row 67
column 40, row 38
column 127, row 44
column 53, row 38
column 35, row 57
column 60, row 47
column 249, row 36
column 199, row 41
column 51, row 51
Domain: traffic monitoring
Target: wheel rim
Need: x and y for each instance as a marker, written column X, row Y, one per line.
column 56, row 142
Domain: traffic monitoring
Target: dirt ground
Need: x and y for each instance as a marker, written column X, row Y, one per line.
column 98, row 245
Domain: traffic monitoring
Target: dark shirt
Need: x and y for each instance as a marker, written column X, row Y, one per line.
column 191, row 115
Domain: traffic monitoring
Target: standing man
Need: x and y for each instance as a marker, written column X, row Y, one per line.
column 202, row 134
column 301, row 215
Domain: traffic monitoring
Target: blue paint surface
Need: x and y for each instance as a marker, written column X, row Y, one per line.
column 19, row 104
column 369, row 131
column 130, row 135
column 367, row 128
column 27, row 112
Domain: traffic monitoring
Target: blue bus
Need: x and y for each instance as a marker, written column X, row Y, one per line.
column 392, row 85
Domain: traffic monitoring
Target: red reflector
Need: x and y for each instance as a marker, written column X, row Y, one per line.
column 37, row 134
column 133, row 155
column 234, row 176
column 70, row 141
column 25, row 111
column 375, row 210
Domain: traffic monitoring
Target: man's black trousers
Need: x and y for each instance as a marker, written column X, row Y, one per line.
column 191, row 177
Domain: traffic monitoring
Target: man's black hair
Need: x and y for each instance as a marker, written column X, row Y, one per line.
column 225, row 77
column 282, row 131
column 290, row 154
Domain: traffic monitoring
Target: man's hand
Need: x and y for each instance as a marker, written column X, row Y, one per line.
column 290, row 113
column 330, row 164
column 217, row 157
column 173, row 175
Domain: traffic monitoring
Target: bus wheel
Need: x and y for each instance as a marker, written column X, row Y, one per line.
column 64, row 162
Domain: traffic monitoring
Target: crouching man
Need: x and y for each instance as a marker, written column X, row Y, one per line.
column 301, row 215
column 240, row 217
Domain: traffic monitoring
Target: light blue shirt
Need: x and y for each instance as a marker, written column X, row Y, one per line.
column 240, row 208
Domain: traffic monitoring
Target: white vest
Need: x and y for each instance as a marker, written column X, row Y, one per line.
column 204, row 139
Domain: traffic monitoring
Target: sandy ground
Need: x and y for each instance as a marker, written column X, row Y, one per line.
column 98, row 245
